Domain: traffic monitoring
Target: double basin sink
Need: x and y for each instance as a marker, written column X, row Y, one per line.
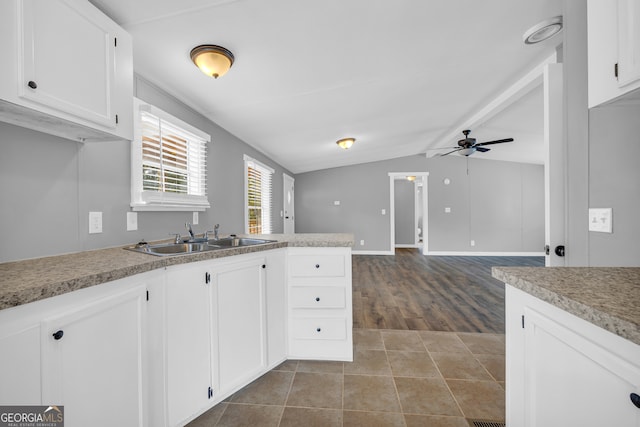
column 168, row 249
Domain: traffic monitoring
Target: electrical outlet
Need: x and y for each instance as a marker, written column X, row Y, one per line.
column 473, row 243
column 196, row 217
column 336, row 202
column 383, row 211
column 600, row 220
column 361, row 242
column 132, row 221
column 95, row 222
column 447, row 210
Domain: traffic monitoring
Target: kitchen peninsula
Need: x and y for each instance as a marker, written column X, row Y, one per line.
column 165, row 338
column 573, row 345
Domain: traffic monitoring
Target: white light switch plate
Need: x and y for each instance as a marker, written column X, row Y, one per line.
column 601, row 220
column 95, row 222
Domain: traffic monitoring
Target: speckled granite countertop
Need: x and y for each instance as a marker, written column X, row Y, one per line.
column 608, row 297
column 31, row 280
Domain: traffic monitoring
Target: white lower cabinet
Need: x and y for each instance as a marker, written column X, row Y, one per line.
column 565, row 371
column 188, row 338
column 84, row 350
column 320, row 312
column 220, row 334
column 239, row 323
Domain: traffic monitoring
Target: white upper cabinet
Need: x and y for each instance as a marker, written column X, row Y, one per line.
column 68, row 72
column 613, row 51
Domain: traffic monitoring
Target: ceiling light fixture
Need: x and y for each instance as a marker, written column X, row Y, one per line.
column 346, row 143
column 212, row 60
column 543, row 30
column 411, row 178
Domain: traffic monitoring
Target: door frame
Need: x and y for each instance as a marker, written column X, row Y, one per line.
column 287, row 178
column 424, row 176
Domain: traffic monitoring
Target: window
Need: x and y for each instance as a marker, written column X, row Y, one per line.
column 168, row 162
column 257, row 196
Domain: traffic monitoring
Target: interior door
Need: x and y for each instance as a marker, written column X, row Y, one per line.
column 554, row 170
column 289, row 198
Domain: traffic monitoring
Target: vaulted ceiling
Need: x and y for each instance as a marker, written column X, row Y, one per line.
column 400, row 76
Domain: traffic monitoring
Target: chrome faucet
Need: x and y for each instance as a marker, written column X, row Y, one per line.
column 190, row 230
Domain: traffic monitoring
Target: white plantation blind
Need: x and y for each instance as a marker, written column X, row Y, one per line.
column 170, row 172
column 258, row 196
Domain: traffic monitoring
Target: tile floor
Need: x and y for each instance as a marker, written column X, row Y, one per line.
column 397, row 378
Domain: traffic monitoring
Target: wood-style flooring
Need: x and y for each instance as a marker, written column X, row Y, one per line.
column 436, row 293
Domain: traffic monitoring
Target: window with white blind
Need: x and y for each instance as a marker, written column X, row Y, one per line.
column 257, row 196
column 168, row 162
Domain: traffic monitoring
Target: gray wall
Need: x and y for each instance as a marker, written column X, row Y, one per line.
column 65, row 180
column 614, row 182
column 500, row 205
column 405, row 212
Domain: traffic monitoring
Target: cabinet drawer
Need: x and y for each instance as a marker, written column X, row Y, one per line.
column 317, row 297
column 316, row 266
column 320, row 329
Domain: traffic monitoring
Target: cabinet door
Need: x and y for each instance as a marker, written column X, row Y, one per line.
column 573, row 381
column 68, row 58
column 628, row 41
column 238, row 304
column 188, row 341
column 20, row 365
column 92, row 358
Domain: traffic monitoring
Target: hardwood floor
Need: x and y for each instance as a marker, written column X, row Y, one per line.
column 435, row 293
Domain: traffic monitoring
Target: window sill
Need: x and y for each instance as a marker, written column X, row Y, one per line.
column 168, row 208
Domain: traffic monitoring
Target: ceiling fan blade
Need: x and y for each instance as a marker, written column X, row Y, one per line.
column 499, row 141
column 482, row 149
column 457, row 149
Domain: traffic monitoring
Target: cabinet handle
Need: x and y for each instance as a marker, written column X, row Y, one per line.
column 58, row 334
column 318, row 329
column 317, row 265
column 317, row 298
column 635, row 399
column 32, row 84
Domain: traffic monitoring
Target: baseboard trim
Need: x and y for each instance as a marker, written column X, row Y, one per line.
column 407, row 246
column 372, row 252
column 453, row 253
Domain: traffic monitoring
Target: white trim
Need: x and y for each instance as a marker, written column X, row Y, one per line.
column 258, row 163
column 392, row 216
column 143, row 106
column 353, row 252
column 408, row 246
column 454, row 253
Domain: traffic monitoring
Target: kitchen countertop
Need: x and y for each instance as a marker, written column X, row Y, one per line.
column 608, row 297
column 22, row 282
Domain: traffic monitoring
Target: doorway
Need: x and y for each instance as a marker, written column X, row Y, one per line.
column 408, row 210
column 289, row 204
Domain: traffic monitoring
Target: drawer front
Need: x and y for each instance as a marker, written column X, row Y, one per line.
column 319, row 329
column 316, row 266
column 317, row 297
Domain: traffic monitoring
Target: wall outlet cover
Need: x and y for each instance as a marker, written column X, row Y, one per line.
column 601, row 220
column 196, row 218
column 132, row 221
column 95, row 222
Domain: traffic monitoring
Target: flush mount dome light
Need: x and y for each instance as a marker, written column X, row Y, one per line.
column 543, row 30
column 212, row 60
column 346, row 143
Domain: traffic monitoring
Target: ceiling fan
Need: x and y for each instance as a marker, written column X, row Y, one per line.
column 468, row 146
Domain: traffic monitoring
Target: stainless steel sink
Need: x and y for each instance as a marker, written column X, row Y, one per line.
column 238, row 241
column 169, row 249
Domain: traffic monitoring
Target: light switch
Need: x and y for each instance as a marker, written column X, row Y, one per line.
column 95, row 222
column 383, row 211
column 447, row 210
column 336, row 202
column 600, row 220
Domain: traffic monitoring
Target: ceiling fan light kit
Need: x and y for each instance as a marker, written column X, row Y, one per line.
column 543, row 30
column 468, row 146
column 212, row 60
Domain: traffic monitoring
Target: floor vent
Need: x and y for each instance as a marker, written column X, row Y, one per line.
column 480, row 423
